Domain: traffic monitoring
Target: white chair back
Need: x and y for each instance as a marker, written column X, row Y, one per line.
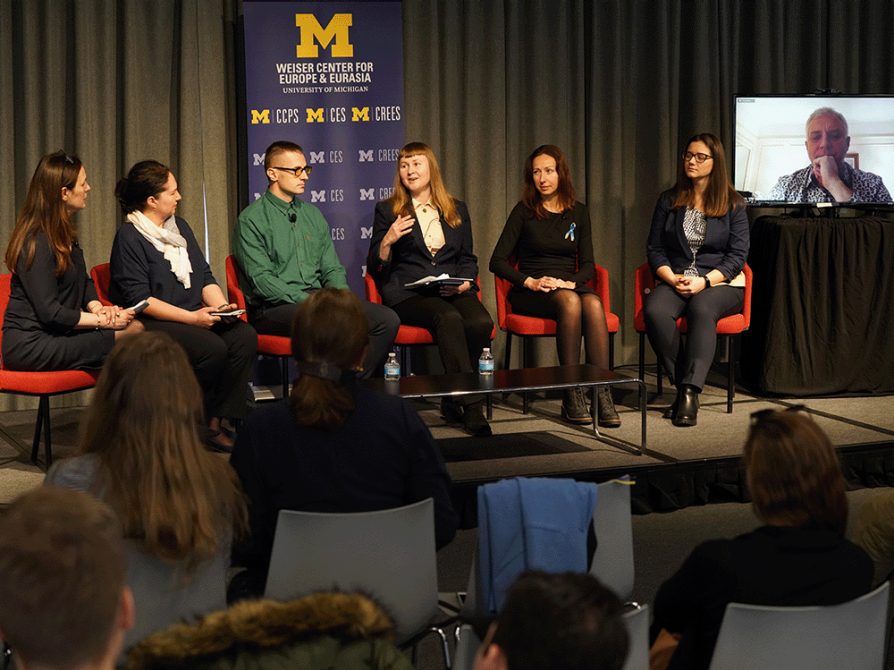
column 467, row 644
column 613, row 561
column 851, row 635
column 389, row 555
column 637, row 622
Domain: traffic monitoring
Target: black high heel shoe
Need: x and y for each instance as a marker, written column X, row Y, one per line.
column 687, row 406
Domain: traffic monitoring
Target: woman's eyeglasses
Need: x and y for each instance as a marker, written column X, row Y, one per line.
column 761, row 414
column 699, row 158
column 306, row 169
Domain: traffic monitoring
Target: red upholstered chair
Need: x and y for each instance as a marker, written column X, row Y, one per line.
column 41, row 384
column 407, row 336
column 102, row 278
column 276, row 346
column 533, row 326
column 728, row 326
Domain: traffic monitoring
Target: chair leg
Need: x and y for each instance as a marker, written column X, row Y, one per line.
column 38, row 426
column 642, row 358
column 611, row 351
column 730, row 373
column 524, row 363
column 507, row 355
column 48, row 442
column 284, row 372
column 445, row 648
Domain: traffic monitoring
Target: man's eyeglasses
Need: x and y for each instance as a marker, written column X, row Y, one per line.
column 762, row 414
column 306, row 169
column 699, row 158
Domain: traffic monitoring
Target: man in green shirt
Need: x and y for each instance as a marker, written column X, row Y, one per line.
column 284, row 252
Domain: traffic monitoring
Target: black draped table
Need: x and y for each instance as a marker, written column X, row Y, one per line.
column 822, row 315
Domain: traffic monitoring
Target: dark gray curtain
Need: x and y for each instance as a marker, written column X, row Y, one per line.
column 618, row 84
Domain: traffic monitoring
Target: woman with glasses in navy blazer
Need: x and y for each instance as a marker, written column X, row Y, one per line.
column 697, row 248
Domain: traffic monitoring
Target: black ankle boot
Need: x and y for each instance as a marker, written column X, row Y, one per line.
column 574, row 407
column 474, row 422
column 687, row 407
column 605, row 406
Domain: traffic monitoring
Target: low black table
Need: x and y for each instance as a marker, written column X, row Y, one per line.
column 514, row 381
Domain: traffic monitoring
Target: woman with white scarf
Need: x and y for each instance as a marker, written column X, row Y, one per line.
column 155, row 256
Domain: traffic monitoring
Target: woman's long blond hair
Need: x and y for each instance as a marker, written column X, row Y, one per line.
column 177, row 500
column 45, row 212
column 401, row 200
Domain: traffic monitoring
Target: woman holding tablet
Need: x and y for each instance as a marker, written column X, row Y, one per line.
column 54, row 321
column 423, row 231
column 548, row 236
column 156, row 256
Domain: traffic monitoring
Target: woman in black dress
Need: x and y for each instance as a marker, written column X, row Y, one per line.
column 54, row 321
column 548, row 236
column 421, row 231
column 155, row 256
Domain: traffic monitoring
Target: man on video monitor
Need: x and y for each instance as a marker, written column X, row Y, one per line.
column 829, row 178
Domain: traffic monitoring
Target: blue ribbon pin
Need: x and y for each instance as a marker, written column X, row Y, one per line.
column 570, row 234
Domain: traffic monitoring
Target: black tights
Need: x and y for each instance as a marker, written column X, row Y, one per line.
column 576, row 312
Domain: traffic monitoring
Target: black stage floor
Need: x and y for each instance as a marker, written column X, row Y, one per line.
column 682, row 466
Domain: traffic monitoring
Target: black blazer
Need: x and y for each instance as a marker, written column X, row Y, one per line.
column 725, row 247
column 410, row 258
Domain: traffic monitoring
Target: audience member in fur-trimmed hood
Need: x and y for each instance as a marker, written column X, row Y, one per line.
column 341, row 631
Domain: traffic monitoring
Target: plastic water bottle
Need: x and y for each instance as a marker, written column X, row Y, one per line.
column 392, row 367
column 486, row 362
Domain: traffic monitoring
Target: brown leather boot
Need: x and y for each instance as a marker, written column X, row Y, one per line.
column 606, row 413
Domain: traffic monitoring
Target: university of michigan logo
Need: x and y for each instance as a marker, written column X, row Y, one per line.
column 335, row 33
column 260, row 116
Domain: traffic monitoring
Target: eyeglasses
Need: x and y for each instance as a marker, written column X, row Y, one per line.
column 699, row 158
column 306, row 169
column 762, row 414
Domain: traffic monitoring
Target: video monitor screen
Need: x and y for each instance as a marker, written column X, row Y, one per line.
column 845, row 155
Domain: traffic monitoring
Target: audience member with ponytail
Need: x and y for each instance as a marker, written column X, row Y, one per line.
column 334, row 446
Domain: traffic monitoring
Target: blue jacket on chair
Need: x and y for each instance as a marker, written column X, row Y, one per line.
column 530, row 524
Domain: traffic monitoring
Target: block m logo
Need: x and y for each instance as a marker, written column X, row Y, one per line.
column 314, row 115
column 317, row 157
column 366, row 232
column 258, row 159
column 367, row 194
column 359, row 113
column 336, row 33
column 318, row 196
column 365, row 156
column 260, row 116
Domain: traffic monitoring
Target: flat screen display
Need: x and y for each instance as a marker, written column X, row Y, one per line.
column 844, row 155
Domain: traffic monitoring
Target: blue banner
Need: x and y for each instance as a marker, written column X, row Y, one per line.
column 329, row 77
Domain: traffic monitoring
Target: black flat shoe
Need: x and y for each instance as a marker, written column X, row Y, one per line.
column 687, row 410
column 670, row 411
column 451, row 411
column 474, row 422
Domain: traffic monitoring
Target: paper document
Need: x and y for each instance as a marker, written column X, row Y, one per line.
column 440, row 279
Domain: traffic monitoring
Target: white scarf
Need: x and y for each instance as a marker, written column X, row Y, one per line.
column 168, row 241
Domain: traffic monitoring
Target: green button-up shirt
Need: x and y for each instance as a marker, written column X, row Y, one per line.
column 282, row 260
